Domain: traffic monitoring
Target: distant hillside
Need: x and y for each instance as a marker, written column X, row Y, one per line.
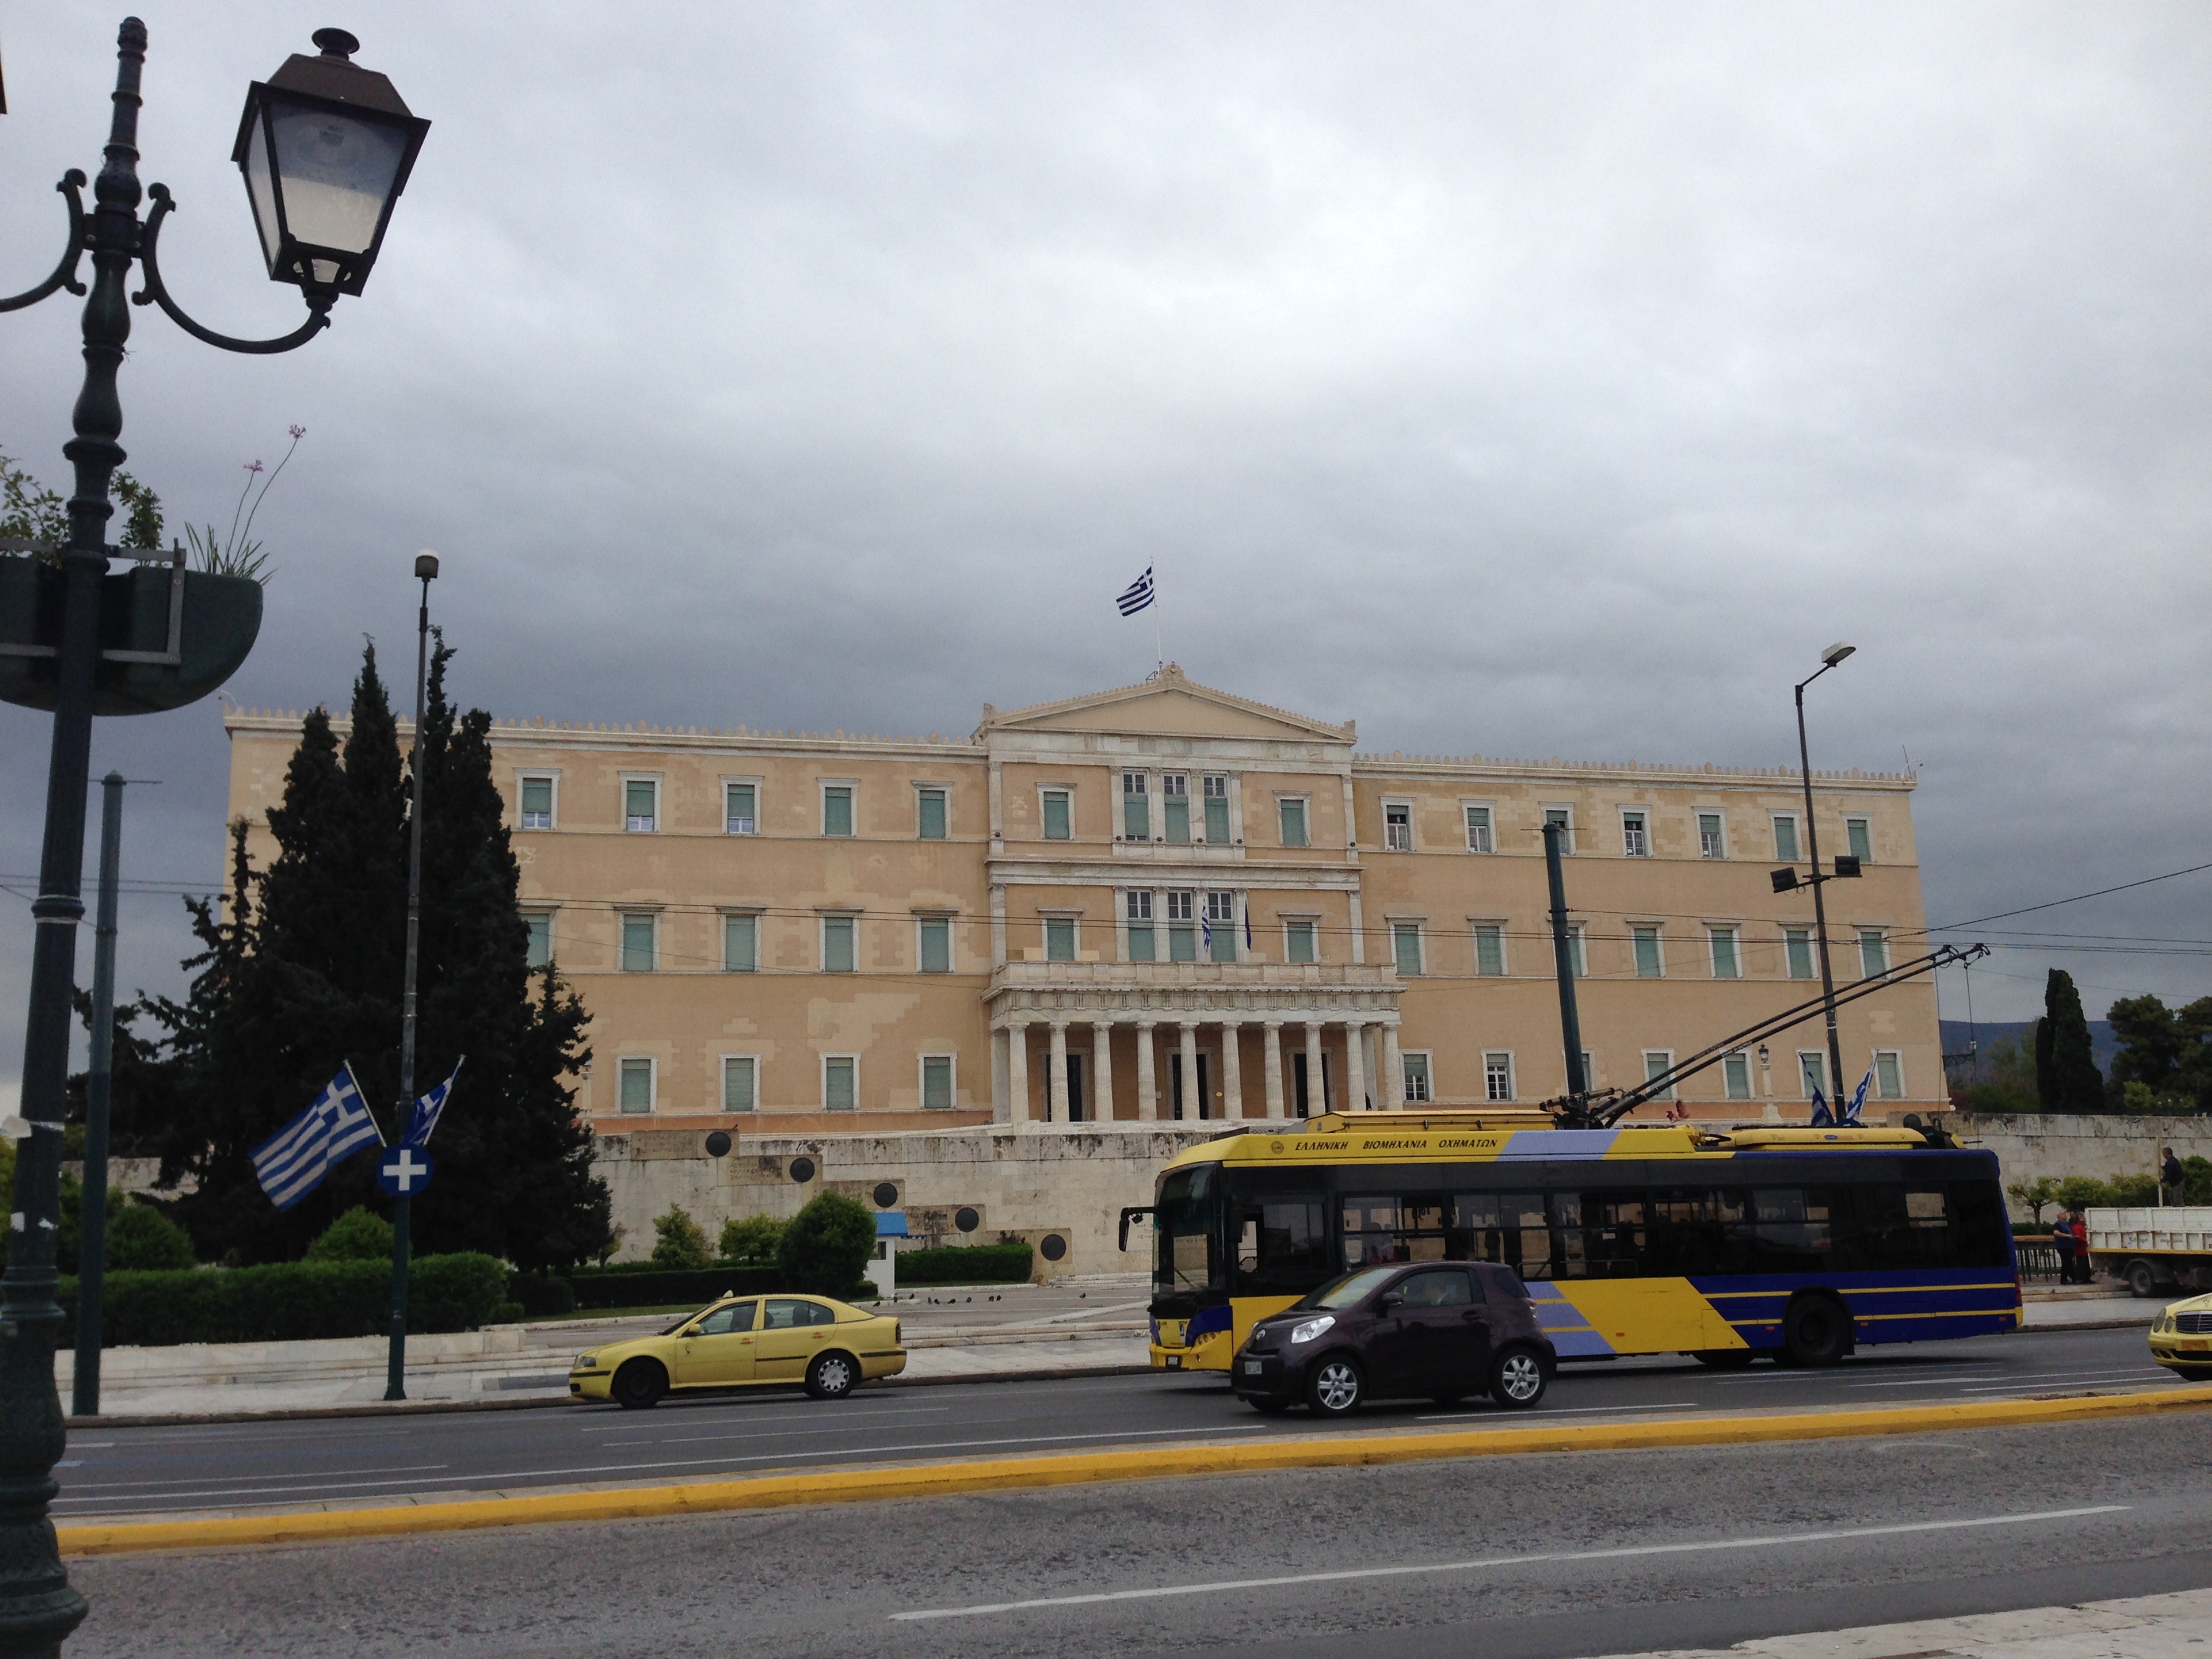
column 2103, row 1045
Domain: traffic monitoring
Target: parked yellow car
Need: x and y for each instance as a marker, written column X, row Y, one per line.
column 746, row 1342
column 2181, row 1339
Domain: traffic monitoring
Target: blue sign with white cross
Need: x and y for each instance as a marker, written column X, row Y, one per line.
column 404, row 1171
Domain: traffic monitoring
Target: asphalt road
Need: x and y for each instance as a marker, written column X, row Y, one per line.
column 1555, row 1557
column 352, row 1460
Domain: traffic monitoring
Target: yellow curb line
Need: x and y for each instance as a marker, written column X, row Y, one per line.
column 1009, row 1474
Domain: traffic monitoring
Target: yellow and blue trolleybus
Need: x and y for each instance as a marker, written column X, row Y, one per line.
column 1796, row 1243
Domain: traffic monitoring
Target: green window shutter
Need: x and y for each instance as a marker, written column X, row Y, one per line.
column 541, row 939
column 837, row 944
column 936, row 944
column 936, row 1083
column 537, row 803
column 837, row 811
column 1786, row 840
column 933, row 815
column 1813, row 1073
column 1478, row 830
column 1294, row 823
column 738, row 809
column 1889, row 1077
column 740, row 944
column 1299, row 942
column 1055, row 814
column 640, row 807
column 1407, row 937
column 637, row 943
column 1489, row 951
column 738, row 1093
column 1656, row 1063
column 637, row 1086
column 1565, row 820
column 1224, row 940
column 1182, row 943
column 1177, row 816
column 1874, row 955
column 1725, row 960
column 1736, row 1077
column 1861, row 841
column 1799, row 944
column 1647, row 953
column 1140, row 941
column 1060, row 938
column 1136, row 818
column 1216, row 820
column 838, row 1094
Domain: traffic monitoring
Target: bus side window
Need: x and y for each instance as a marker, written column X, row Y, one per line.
column 1685, row 1235
column 1977, row 1225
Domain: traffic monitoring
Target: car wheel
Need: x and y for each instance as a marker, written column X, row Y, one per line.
column 1724, row 1359
column 1269, row 1407
column 1815, row 1331
column 2142, row 1278
column 1516, row 1379
column 1335, row 1387
column 831, row 1376
column 639, row 1385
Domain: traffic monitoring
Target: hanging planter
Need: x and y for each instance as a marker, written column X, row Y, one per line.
column 167, row 635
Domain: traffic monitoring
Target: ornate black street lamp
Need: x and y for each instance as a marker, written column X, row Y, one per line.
column 1845, row 866
column 325, row 147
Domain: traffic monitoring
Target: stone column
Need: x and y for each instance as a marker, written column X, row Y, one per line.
column 1355, row 1068
column 1272, row 1063
column 1193, row 1107
column 1232, row 1071
column 1055, row 1090
column 1101, row 1072
column 1316, row 1093
column 1394, row 1070
column 1017, row 1070
column 1148, row 1093
column 1370, row 1056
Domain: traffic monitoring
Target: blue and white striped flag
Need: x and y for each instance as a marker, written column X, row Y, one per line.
column 1137, row 595
column 1822, row 1117
column 1858, row 1099
column 424, row 1117
column 292, row 1163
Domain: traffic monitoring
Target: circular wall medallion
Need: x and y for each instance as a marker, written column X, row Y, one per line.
column 1274, row 1145
column 885, row 1195
column 1054, row 1247
column 718, row 1145
column 802, row 1169
column 966, row 1219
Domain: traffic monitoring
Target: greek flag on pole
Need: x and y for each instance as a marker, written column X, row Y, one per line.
column 1822, row 1117
column 1137, row 595
column 1858, row 1099
column 424, row 1117
column 292, row 1163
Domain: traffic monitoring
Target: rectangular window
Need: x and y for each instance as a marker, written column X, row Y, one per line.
column 929, row 804
column 1221, row 926
column 1726, row 964
column 1182, row 929
column 741, row 808
column 640, row 805
column 638, row 942
column 1138, row 907
column 1478, row 830
column 841, row 1083
column 1710, row 844
column 1056, row 815
column 1859, row 833
column 837, row 809
column 1785, row 838
column 740, row 944
column 540, row 925
column 1498, row 1077
column 1174, row 806
column 1812, row 1071
column 1217, row 810
column 837, row 954
column 1657, row 1062
column 637, row 1084
column 1060, row 938
column 936, row 944
column 1298, row 941
column 1874, row 953
column 1736, row 1077
column 936, row 1083
column 741, row 1074
column 1405, row 942
column 1488, row 949
column 1578, row 942
column 1797, row 945
column 1397, row 827
column 1417, row 1090
column 1136, row 807
column 1888, row 1074
column 1649, row 963
column 1565, row 817
column 1635, row 835
column 1292, row 814
column 537, row 803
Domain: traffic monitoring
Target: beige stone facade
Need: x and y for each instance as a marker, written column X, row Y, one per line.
column 1165, row 903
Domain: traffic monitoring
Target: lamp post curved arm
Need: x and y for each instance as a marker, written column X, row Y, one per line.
column 65, row 273
column 157, row 292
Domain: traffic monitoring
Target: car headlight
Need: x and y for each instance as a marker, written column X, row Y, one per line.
column 1306, row 1330
column 585, row 1361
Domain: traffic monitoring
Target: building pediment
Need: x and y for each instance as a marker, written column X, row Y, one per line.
column 1169, row 705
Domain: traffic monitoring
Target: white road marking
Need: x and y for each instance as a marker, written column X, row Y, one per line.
column 187, row 1480
column 789, row 1417
column 1627, row 1552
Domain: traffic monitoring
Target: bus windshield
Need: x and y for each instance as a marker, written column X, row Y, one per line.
column 1188, row 1226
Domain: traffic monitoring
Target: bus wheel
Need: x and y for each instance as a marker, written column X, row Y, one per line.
column 1724, row 1359
column 1335, row 1387
column 2142, row 1278
column 1815, row 1330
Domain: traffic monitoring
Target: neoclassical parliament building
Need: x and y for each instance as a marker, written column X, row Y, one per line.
column 1167, row 901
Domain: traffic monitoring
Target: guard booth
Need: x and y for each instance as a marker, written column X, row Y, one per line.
column 883, row 1267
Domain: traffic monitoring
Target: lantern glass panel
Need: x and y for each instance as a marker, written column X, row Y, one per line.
column 337, row 172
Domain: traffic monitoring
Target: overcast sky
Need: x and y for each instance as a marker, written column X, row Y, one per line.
column 1527, row 380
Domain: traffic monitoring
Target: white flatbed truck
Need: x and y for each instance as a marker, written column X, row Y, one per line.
column 2152, row 1251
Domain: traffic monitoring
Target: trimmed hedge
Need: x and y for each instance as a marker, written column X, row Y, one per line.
column 294, row 1301
column 966, row 1264
column 644, row 1285
column 541, row 1295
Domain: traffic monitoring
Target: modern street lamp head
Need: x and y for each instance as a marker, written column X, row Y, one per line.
column 1836, row 653
column 426, row 566
column 326, row 146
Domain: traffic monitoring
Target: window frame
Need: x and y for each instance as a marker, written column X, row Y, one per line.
column 652, row 1064
column 1879, row 937
column 854, row 1060
column 1304, row 803
column 752, row 913
column 1796, row 835
column 759, row 785
column 823, row 787
column 1896, row 1059
column 550, row 777
column 544, row 913
column 1733, row 933
column 923, row 921
column 1400, row 927
column 1477, row 927
column 1792, row 937
column 1311, row 925
column 1186, row 925
column 1566, row 810
column 652, row 918
column 1810, row 1060
column 1489, row 1086
column 1128, row 901
column 1072, row 919
column 951, row 1059
column 1635, row 829
column 1666, row 1059
column 1740, row 1057
column 725, row 1107
column 1488, row 832
column 627, row 781
column 1405, row 804
column 1426, row 1057
column 1207, row 794
column 1142, row 794
column 1045, row 792
column 944, row 793
column 1720, row 832
column 1863, row 823
column 1637, row 930
column 823, row 921
column 1168, row 797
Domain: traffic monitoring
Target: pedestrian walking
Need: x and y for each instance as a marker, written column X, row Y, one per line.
column 2170, row 1177
column 2084, row 1271
column 2061, row 1240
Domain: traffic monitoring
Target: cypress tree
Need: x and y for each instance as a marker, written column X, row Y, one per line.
column 2066, row 1076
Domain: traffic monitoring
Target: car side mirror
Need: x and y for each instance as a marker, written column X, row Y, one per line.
column 689, row 1330
column 1389, row 1302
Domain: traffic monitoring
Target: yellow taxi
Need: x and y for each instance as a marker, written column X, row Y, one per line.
column 828, row 1347
column 2181, row 1339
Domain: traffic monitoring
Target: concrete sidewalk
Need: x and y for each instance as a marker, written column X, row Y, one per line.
column 2142, row 1627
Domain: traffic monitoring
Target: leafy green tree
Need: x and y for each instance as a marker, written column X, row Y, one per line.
column 2168, row 1051
column 359, row 1234
column 140, row 1238
column 678, row 1241
column 2196, row 1180
column 2034, row 1196
column 2066, row 1077
column 750, row 1239
column 826, row 1246
column 2084, row 1193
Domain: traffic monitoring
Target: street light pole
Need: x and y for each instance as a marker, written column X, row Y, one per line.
column 395, row 1362
column 1829, row 658
column 98, row 1083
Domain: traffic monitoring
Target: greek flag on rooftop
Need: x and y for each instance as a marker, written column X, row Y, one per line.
column 292, row 1163
column 1137, row 595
